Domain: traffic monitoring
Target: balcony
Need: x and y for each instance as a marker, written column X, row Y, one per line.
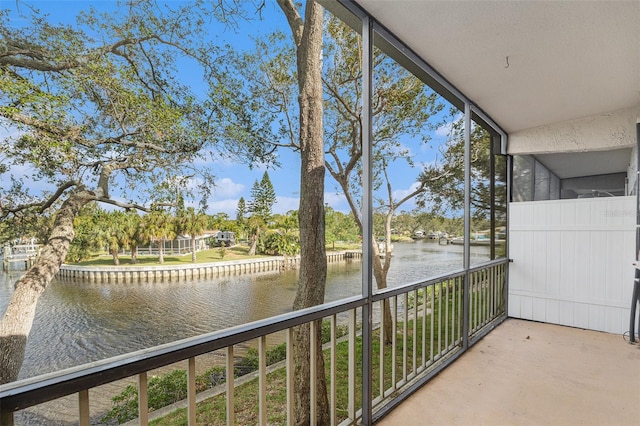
column 527, row 372
column 435, row 322
column 514, row 371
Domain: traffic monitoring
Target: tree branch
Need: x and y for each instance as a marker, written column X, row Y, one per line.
column 294, row 19
column 123, row 205
column 42, row 205
column 21, row 55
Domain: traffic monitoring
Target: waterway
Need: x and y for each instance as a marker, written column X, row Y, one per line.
column 79, row 322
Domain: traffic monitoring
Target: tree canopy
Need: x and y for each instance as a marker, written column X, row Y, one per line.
column 97, row 112
column 99, row 106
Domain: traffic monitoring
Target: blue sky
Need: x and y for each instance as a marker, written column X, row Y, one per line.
column 235, row 180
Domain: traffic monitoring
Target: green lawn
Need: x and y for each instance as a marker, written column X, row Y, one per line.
column 213, row 410
column 238, row 252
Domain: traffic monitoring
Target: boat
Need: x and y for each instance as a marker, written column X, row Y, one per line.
column 419, row 235
column 476, row 240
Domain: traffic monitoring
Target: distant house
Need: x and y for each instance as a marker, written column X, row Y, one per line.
column 225, row 238
column 179, row 245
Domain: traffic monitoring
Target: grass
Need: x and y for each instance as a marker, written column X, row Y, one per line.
column 238, row 252
column 341, row 246
column 213, row 410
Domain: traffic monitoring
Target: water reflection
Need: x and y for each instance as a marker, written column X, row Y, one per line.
column 80, row 322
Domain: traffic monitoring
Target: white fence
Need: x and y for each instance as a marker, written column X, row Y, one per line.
column 572, row 262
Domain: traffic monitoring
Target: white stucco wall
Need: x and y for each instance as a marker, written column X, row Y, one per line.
column 572, row 262
column 596, row 133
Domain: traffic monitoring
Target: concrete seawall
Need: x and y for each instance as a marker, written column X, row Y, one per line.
column 166, row 273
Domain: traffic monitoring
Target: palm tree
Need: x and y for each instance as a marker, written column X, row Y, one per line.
column 254, row 225
column 135, row 234
column 160, row 226
column 192, row 223
column 112, row 232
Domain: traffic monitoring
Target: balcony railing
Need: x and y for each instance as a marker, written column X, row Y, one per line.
column 434, row 322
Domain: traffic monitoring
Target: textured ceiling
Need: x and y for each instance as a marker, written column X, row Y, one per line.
column 526, row 63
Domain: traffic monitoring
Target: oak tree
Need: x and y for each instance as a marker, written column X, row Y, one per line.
column 98, row 113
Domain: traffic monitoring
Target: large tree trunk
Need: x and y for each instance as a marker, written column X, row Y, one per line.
column 18, row 318
column 193, row 249
column 313, row 264
column 313, row 260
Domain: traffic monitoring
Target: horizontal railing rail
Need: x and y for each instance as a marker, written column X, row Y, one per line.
column 394, row 291
column 25, row 393
column 426, row 320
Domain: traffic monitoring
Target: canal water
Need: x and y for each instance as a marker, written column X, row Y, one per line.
column 79, row 322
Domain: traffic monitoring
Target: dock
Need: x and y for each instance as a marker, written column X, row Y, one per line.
column 19, row 256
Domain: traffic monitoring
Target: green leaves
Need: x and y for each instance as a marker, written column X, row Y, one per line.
column 102, row 102
column 263, row 197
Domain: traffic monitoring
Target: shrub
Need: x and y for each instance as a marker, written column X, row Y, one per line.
column 171, row 387
column 125, row 406
column 162, row 391
column 341, row 330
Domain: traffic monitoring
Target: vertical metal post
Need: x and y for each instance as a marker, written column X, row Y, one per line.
column 83, row 400
column 230, row 387
column 635, row 298
column 637, row 187
column 492, row 195
column 351, row 373
column 333, row 390
column 143, row 399
column 290, row 372
column 191, row 391
column 6, row 417
column 507, row 243
column 313, row 374
column 466, row 262
column 367, row 217
column 262, row 378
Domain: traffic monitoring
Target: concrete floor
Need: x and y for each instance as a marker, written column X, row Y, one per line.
column 528, row 373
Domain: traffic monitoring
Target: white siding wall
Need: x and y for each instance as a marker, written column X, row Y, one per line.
column 572, row 262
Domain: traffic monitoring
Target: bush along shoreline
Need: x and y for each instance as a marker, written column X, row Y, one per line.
column 171, row 387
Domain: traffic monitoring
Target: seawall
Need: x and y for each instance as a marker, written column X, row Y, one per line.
column 171, row 273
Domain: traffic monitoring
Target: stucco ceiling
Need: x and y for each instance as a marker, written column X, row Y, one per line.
column 526, row 63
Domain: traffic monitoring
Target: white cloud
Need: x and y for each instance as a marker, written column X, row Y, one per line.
column 399, row 194
column 403, row 150
column 285, row 204
column 282, row 205
column 337, row 201
column 444, row 130
column 227, row 188
column 228, row 206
